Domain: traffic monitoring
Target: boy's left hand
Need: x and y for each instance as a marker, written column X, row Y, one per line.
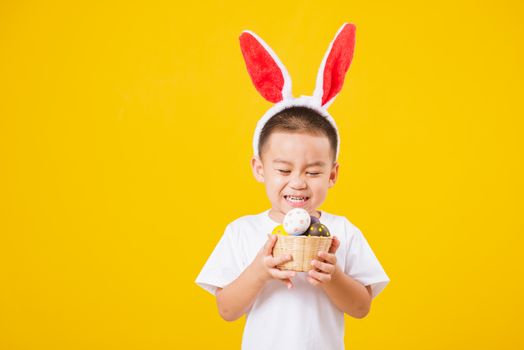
column 324, row 265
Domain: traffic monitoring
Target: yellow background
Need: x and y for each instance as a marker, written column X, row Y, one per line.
column 122, row 123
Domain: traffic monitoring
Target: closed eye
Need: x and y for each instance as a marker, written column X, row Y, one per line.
column 314, row 174
column 282, row 171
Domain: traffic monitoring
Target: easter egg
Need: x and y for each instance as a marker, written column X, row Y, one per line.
column 317, row 229
column 279, row 230
column 296, row 221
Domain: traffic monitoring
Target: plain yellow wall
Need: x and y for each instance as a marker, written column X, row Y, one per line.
column 122, row 122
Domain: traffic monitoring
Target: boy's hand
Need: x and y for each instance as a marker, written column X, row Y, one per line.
column 266, row 263
column 325, row 266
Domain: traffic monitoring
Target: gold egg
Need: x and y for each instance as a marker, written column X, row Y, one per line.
column 279, row 230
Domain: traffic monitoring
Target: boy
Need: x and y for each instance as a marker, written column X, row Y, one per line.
column 296, row 147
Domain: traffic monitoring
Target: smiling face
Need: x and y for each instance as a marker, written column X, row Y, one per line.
column 297, row 170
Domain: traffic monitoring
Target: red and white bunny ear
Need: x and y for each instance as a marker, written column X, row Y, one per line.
column 334, row 66
column 267, row 72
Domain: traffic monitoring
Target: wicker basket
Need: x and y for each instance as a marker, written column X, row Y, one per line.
column 303, row 249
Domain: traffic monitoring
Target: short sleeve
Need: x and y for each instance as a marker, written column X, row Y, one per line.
column 363, row 265
column 223, row 266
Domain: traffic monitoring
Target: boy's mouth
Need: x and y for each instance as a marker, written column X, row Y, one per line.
column 296, row 201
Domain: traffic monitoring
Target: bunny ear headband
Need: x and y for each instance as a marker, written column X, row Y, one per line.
column 273, row 82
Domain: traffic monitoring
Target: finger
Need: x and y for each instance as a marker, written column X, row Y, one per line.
column 322, row 277
column 322, row 266
column 330, row 258
column 274, row 261
column 313, row 281
column 270, row 243
column 282, row 274
column 280, row 259
column 288, row 283
column 335, row 243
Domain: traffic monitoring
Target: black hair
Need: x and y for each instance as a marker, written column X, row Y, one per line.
column 299, row 119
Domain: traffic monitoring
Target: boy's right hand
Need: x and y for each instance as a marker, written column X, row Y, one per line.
column 266, row 263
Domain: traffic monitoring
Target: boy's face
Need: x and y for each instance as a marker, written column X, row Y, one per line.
column 297, row 170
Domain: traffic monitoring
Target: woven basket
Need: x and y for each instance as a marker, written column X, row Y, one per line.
column 303, row 249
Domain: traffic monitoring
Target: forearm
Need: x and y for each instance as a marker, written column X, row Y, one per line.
column 237, row 297
column 349, row 295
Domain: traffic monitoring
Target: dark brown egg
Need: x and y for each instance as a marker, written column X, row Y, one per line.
column 317, row 229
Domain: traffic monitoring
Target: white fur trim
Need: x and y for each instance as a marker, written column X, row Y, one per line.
column 302, row 101
column 286, row 89
column 319, row 87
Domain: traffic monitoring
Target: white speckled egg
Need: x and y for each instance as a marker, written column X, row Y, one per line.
column 296, row 221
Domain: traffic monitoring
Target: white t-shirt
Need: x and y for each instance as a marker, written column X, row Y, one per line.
column 302, row 317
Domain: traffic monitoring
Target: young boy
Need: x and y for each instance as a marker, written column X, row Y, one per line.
column 296, row 147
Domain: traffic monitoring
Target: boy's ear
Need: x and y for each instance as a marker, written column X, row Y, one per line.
column 258, row 168
column 333, row 175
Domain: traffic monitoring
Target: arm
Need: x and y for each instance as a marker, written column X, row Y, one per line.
column 349, row 295
column 236, row 298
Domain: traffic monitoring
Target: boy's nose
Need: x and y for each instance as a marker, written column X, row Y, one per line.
column 298, row 183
